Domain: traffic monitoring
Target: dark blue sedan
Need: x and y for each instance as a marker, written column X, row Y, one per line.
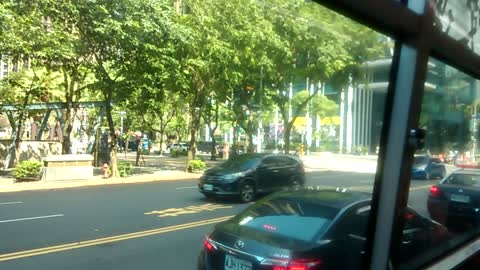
column 427, row 167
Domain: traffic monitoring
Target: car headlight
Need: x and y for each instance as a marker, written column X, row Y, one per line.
column 233, row 176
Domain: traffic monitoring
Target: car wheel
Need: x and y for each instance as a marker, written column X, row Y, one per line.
column 247, row 192
column 209, row 196
column 296, row 182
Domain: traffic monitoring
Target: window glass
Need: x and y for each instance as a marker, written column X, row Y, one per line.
column 270, row 162
column 358, row 225
column 242, row 162
column 254, row 76
column 286, row 161
column 463, row 179
column 448, row 208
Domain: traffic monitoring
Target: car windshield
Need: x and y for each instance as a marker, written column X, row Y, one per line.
column 293, row 218
column 241, row 162
column 464, row 180
column 420, row 161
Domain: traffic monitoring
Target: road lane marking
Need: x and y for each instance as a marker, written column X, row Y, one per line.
column 105, row 240
column 173, row 212
column 6, row 203
column 186, row 187
column 30, row 218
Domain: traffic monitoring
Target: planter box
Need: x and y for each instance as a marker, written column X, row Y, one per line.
column 67, row 167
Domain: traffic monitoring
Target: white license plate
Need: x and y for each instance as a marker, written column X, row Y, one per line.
column 460, row 198
column 232, row 263
column 207, row 187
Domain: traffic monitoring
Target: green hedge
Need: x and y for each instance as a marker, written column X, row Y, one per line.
column 124, row 168
column 196, row 165
column 28, row 170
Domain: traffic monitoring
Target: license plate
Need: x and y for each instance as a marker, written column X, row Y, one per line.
column 232, row 263
column 207, row 187
column 460, row 198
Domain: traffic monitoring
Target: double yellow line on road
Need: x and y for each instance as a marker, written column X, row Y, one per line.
column 100, row 241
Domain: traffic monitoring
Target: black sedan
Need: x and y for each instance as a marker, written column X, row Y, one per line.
column 455, row 201
column 306, row 229
column 246, row 175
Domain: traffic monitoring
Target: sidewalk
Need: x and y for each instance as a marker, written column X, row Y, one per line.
column 8, row 184
column 151, row 168
column 165, row 168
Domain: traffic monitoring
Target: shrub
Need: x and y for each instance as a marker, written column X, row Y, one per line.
column 196, row 165
column 174, row 152
column 177, row 152
column 124, row 168
column 28, row 170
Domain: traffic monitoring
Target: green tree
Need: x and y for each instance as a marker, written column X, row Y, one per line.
column 21, row 89
column 44, row 33
column 133, row 43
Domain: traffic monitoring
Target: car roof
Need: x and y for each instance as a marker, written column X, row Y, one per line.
column 336, row 198
column 466, row 171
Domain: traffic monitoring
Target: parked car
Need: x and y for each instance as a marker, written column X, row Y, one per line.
column 455, row 201
column 276, row 233
column 246, row 175
column 205, row 147
column 428, row 167
column 182, row 147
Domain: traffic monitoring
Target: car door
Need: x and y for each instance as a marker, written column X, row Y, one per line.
column 352, row 231
column 287, row 169
column 415, row 235
column 436, row 166
column 267, row 174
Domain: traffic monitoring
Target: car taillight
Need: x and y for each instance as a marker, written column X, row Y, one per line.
column 299, row 264
column 209, row 245
column 435, row 191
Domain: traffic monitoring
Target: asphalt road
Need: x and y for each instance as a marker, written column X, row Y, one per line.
column 137, row 226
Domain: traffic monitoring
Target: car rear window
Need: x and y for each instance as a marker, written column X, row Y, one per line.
column 295, row 219
column 463, row 180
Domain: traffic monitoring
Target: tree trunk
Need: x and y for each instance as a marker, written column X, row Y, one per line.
column 194, row 127
column 250, row 130
column 213, row 155
column 193, row 148
column 113, row 135
column 13, row 150
column 162, row 131
column 251, row 146
column 288, row 131
column 67, row 133
column 139, row 149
